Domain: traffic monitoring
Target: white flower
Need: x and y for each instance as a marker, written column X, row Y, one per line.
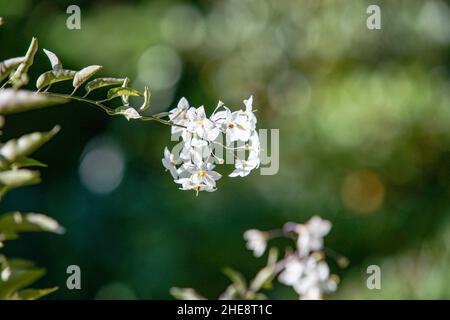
column 178, row 116
column 204, row 174
column 249, row 112
column 235, row 124
column 169, row 162
column 244, row 167
column 198, row 123
column 256, row 241
column 254, row 147
column 310, row 235
column 200, row 137
column 188, row 184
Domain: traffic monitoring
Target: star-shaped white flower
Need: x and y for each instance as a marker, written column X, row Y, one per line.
column 198, row 123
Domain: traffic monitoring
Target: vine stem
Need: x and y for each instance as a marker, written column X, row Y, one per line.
column 111, row 111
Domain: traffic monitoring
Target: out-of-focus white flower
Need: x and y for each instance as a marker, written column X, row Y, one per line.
column 293, row 270
column 310, row 235
column 308, row 276
column 256, row 241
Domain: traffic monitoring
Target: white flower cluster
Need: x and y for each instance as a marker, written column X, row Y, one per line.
column 192, row 162
column 305, row 269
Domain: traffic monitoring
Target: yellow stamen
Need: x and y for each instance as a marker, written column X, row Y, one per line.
column 202, row 173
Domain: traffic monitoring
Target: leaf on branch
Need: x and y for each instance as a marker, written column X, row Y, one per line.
column 127, row 112
column 54, row 76
column 121, row 91
column 7, row 66
column 13, row 101
column 125, row 98
column 17, row 178
column 147, row 96
column 16, row 149
column 28, row 162
column 102, row 82
column 54, row 60
column 20, row 77
column 84, row 74
column 34, row 294
column 22, row 274
column 13, row 223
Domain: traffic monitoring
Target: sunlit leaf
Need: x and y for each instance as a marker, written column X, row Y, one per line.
column 28, row 162
column 17, row 178
column 13, row 101
column 84, row 74
column 19, row 279
column 19, row 148
column 7, row 66
column 102, row 82
column 120, row 91
column 16, row 222
column 54, row 60
column 50, row 77
column 146, row 103
column 127, row 112
column 33, row 294
column 20, row 77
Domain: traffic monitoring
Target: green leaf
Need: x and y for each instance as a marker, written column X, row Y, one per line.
column 16, row 149
column 102, row 82
column 17, row 178
column 7, row 66
column 13, row 101
column 146, row 103
column 12, row 223
column 121, row 91
column 19, row 279
column 28, row 162
column 34, row 294
column 54, row 76
column 84, row 74
column 54, row 60
column 20, row 77
column 125, row 98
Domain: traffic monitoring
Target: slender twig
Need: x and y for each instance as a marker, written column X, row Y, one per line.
column 110, row 111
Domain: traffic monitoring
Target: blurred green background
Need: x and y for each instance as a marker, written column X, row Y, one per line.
column 364, row 119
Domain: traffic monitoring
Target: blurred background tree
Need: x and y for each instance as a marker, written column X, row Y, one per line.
column 364, row 141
